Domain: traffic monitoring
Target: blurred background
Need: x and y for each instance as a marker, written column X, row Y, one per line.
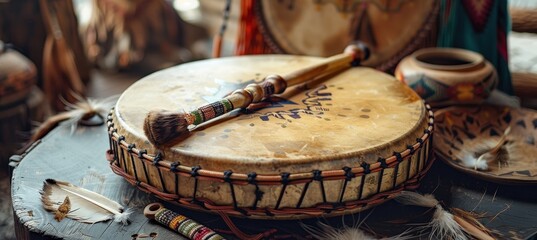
column 56, row 51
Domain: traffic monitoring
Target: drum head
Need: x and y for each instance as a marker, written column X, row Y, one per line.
column 357, row 115
column 392, row 29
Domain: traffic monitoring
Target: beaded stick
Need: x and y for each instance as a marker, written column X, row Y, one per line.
column 179, row 223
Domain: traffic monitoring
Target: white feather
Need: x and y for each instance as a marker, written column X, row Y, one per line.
column 416, row 199
column 327, row 232
column 123, row 217
column 443, row 224
column 488, row 150
column 470, row 161
column 86, row 105
column 86, row 206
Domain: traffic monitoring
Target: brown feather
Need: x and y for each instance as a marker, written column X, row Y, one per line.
column 63, row 209
column 476, row 228
column 83, row 109
column 49, row 124
column 165, row 128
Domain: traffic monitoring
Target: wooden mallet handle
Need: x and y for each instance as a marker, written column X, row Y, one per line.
column 167, row 128
column 273, row 84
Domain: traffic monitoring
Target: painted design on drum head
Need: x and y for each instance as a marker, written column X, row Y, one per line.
column 317, row 101
column 313, row 104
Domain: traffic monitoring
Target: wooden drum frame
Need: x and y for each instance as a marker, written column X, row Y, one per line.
column 225, row 166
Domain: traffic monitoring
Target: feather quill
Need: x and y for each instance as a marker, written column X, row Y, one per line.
column 445, row 225
column 86, row 206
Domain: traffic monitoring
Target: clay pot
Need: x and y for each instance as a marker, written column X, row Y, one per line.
column 18, row 75
column 448, row 76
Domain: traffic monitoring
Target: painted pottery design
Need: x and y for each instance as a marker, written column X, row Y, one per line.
column 447, row 76
column 461, row 131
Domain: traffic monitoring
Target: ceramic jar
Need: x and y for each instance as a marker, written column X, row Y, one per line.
column 448, row 76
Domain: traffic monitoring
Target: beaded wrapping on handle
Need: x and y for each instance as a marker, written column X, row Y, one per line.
column 253, row 93
column 209, row 111
column 179, row 223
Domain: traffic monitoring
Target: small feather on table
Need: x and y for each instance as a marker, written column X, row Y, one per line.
column 67, row 200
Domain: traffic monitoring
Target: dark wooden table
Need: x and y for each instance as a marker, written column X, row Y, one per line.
column 510, row 211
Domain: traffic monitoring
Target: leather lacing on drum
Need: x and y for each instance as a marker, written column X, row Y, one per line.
column 119, row 165
column 173, row 168
column 258, row 193
column 367, row 170
column 195, row 173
